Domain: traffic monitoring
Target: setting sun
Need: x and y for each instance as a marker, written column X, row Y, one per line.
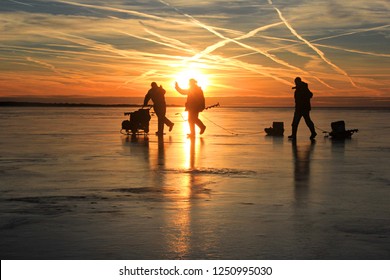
column 184, row 76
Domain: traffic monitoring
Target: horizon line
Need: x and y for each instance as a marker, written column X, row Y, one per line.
column 82, row 104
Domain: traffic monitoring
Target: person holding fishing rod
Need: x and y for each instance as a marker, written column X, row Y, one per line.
column 194, row 105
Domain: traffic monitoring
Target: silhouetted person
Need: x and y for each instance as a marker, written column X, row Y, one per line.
column 302, row 98
column 156, row 93
column 195, row 104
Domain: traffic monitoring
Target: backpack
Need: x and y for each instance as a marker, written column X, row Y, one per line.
column 196, row 100
column 201, row 100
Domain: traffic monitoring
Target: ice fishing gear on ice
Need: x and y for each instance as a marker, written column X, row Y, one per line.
column 339, row 131
column 138, row 121
column 277, row 129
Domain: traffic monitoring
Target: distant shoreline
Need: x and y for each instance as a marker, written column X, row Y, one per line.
column 91, row 105
column 65, row 104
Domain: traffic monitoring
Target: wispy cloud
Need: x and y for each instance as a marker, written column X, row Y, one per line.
column 249, row 47
column 318, row 51
column 21, row 3
column 44, row 64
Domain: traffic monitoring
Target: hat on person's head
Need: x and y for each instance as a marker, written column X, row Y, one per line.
column 153, row 84
column 298, row 80
column 193, row 81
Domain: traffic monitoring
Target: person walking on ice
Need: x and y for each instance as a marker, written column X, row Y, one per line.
column 157, row 94
column 194, row 105
column 302, row 96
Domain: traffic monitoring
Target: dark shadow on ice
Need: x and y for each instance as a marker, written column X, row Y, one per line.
column 302, row 157
column 134, row 138
column 137, row 147
column 161, row 152
column 338, row 147
column 339, row 151
column 277, row 141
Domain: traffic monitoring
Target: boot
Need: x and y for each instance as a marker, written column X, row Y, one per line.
column 313, row 132
column 293, row 135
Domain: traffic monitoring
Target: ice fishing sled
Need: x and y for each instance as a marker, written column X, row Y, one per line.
column 277, row 129
column 138, row 122
column 339, row 131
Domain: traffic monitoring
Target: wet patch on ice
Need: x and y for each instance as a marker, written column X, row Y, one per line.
column 49, row 205
column 40, row 158
column 148, row 194
column 53, row 199
column 14, row 223
column 232, row 172
column 378, row 228
column 381, row 180
column 139, row 190
column 247, row 203
column 196, row 188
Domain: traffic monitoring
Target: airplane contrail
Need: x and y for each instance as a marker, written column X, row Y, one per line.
column 140, row 77
column 326, row 46
column 213, row 31
column 332, row 37
column 220, row 44
column 95, row 45
column 108, row 48
column 265, row 53
column 135, row 13
column 106, row 8
column 352, row 32
column 44, row 64
column 172, row 41
column 353, row 51
column 226, row 40
column 156, row 42
column 318, row 51
column 21, row 3
column 226, row 63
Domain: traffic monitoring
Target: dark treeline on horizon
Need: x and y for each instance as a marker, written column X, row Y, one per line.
column 224, row 101
column 65, row 104
column 91, row 105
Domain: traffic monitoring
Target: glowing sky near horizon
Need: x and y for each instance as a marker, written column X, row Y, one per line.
column 241, row 48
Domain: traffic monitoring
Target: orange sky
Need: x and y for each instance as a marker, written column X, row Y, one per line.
column 235, row 49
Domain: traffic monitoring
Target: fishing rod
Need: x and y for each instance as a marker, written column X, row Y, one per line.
column 227, row 130
column 212, row 106
column 206, row 108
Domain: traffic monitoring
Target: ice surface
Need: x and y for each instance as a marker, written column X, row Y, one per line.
column 73, row 187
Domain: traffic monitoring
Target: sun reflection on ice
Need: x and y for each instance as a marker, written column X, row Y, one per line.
column 179, row 220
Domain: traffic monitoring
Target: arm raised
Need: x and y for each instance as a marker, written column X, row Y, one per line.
column 180, row 90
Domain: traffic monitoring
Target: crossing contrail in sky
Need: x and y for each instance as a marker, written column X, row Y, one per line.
column 318, row 51
column 114, row 48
